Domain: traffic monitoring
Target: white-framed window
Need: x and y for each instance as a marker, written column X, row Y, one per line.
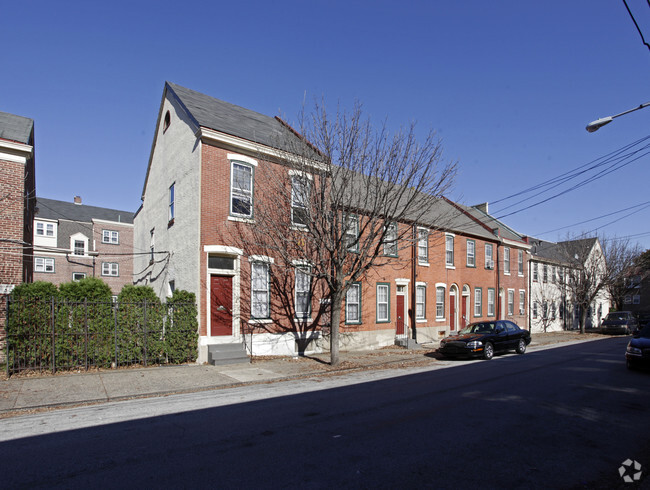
column 449, row 250
column 303, row 291
column 260, row 294
column 420, row 302
column 241, row 189
column 352, row 232
column 506, row 260
column 390, row 240
column 300, row 198
column 353, row 303
column 440, row 302
column 478, row 302
column 545, row 273
column 110, row 269
column 552, row 310
column 520, row 262
column 78, row 276
column 535, row 272
column 554, row 274
column 545, row 310
column 535, row 310
column 489, row 256
column 44, row 229
column 471, row 253
column 490, row 302
column 423, row 246
column 172, row 198
column 43, row 264
column 79, row 247
column 522, row 301
column 383, row 302
column 511, row 302
column 110, row 236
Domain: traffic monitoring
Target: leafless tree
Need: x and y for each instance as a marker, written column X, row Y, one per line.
column 351, row 190
column 620, row 256
column 549, row 295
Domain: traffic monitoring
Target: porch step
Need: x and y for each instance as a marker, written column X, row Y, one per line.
column 407, row 342
column 220, row 354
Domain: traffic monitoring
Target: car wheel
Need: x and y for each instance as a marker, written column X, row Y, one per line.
column 488, row 351
column 521, row 346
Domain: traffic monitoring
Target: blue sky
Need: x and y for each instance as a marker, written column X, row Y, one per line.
column 508, row 85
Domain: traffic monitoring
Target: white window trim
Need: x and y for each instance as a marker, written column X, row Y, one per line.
column 241, row 158
column 453, row 251
column 110, row 269
column 356, row 285
column 423, row 262
column 252, row 183
column 444, row 299
column 420, row 284
column 507, row 272
column 508, row 301
column 387, row 286
column 522, row 308
column 81, row 238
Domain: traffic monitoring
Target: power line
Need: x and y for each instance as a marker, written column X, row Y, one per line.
column 635, row 23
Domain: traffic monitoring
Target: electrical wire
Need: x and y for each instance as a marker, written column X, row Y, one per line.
column 635, row 23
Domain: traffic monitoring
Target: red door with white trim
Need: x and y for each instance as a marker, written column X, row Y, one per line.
column 400, row 315
column 220, row 305
column 463, row 312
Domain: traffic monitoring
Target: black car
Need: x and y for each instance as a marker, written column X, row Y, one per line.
column 637, row 353
column 483, row 339
column 619, row 322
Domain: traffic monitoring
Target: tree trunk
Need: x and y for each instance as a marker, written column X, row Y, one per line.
column 583, row 319
column 334, row 329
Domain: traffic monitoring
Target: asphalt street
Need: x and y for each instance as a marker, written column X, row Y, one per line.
column 557, row 418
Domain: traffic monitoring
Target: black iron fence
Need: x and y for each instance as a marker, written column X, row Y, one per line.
column 54, row 335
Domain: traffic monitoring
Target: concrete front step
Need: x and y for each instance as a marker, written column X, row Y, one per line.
column 220, row 354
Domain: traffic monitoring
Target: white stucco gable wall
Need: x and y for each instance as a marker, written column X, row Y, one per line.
column 175, row 159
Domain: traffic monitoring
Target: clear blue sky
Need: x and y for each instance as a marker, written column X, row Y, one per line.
column 508, row 85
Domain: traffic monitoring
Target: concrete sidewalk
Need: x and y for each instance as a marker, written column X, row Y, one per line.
column 20, row 394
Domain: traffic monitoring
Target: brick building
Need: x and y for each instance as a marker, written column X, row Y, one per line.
column 17, row 199
column 207, row 165
column 73, row 240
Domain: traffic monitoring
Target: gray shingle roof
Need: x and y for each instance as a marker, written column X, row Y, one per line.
column 15, row 128
column 491, row 222
column 562, row 251
column 231, row 119
column 52, row 209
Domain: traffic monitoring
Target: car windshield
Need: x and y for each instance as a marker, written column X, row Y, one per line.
column 482, row 327
column 616, row 316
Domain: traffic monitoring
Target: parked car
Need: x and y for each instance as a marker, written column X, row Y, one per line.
column 483, row 339
column 619, row 322
column 637, row 353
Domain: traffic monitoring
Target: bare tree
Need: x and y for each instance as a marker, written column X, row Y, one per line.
column 620, row 257
column 549, row 295
column 352, row 192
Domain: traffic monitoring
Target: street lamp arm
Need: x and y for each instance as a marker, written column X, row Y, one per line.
column 599, row 123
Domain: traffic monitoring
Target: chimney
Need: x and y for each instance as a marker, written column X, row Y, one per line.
column 77, row 199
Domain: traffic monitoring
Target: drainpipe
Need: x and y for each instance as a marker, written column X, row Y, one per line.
column 497, row 296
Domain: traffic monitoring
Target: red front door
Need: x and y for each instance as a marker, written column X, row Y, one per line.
column 452, row 312
column 463, row 312
column 220, row 305
column 400, row 315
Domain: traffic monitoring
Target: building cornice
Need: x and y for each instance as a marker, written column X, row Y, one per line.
column 12, row 151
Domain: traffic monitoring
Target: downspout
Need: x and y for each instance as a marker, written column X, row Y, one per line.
column 497, row 297
column 413, row 277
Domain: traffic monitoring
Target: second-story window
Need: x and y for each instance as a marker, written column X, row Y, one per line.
column 300, row 196
column 471, row 253
column 172, row 197
column 352, row 232
column 390, row 240
column 45, row 229
column 241, row 190
column 506, row 260
column 520, row 262
column 449, row 250
column 423, row 245
column 535, row 272
column 489, row 256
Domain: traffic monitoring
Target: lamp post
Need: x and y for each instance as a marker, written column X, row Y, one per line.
column 599, row 123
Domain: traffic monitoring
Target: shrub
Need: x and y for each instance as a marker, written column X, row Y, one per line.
column 140, row 319
column 181, row 333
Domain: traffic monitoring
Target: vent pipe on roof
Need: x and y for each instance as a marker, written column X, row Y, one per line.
column 77, row 199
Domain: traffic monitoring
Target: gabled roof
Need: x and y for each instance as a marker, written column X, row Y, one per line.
column 234, row 120
column 505, row 232
column 561, row 252
column 16, row 128
column 52, row 209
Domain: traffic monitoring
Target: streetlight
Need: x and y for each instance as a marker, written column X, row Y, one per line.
column 599, row 123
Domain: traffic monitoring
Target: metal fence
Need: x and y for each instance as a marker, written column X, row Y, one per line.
column 55, row 335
